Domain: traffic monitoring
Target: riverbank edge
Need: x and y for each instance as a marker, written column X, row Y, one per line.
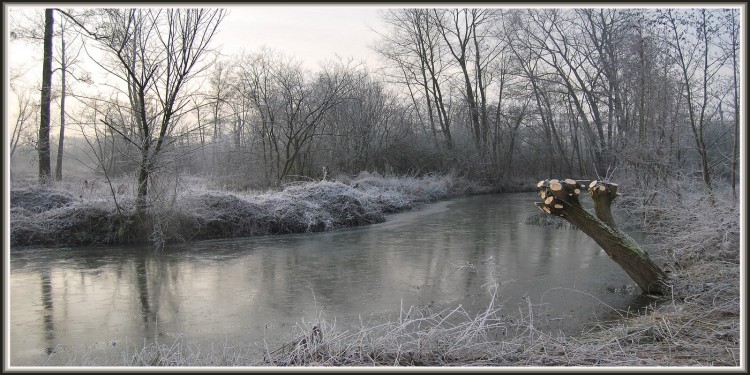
column 698, row 325
column 53, row 215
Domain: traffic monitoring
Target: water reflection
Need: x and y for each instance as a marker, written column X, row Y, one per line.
column 49, row 324
column 256, row 289
column 142, row 284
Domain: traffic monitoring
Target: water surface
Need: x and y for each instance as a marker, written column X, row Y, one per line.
column 97, row 301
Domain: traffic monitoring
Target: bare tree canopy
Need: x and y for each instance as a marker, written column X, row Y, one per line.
column 154, row 53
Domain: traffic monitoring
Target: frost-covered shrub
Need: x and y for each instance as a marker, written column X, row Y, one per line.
column 346, row 205
column 224, row 215
column 400, row 193
column 80, row 224
column 39, row 199
column 194, row 211
column 390, row 201
column 294, row 216
column 695, row 227
column 323, row 205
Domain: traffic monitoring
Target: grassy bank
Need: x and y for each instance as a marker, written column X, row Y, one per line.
column 95, row 213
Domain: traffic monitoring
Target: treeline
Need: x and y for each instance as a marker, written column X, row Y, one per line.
column 574, row 92
column 495, row 94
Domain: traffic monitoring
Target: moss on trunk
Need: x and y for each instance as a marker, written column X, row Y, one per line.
column 561, row 198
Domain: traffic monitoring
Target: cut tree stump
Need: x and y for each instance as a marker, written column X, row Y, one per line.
column 561, row 199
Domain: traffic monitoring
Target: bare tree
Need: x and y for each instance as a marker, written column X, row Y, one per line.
column 413, row 44
column 364, row 127
column 44, row 123
column 28, row 29
column 219, row 91
column 461, row 30
column 68, row 59
column 696, row 91
column 258, row 85
column 155, row 52
column 571, row 59
column 305, row 108
column 532, row 60
column 603, row 29
column 734, row 46
column 26, row 107
column 291, row 105
column 61, row 139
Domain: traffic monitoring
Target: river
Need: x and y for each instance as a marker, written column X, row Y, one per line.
column 97, row 301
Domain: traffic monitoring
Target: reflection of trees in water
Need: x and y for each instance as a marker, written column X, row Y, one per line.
column 435, row 266
column 543, row 257
column 277, row 284
column 476, row 237
column 48, row 313
column 97, row 278
column 306, row 270
column 141, row 282
column 335, row 277
column 157, row 282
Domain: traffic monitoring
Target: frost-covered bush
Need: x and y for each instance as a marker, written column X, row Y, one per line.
column 344, row 205
column 393, row 194
column 219, row 214
column 51, row 215
column 294, row 216
column 39, row 199
column 694, row 226
column 79, row 224
column 307, row 207
column 195, row 211
column 425, row 189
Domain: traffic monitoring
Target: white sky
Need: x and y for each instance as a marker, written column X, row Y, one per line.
column 310, row 33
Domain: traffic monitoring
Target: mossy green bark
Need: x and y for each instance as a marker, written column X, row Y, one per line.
column 561, row 199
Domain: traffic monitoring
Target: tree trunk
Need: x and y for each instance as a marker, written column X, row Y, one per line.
column 44, row 123
column 141, row 201
column 736, row 139
column 61, row 141
column 561, row 199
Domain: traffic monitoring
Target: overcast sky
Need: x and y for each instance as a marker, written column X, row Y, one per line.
column 311, row 33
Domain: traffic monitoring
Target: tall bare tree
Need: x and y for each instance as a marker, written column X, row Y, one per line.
column 413, row 44
column 67, row 60
column 30, row 26
column 155, row 52
column 462, row 32
column 734, row 46
column 532, row 60
column 63, row 87
column 44, row 123
column 571, row 58
column 693, row 35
